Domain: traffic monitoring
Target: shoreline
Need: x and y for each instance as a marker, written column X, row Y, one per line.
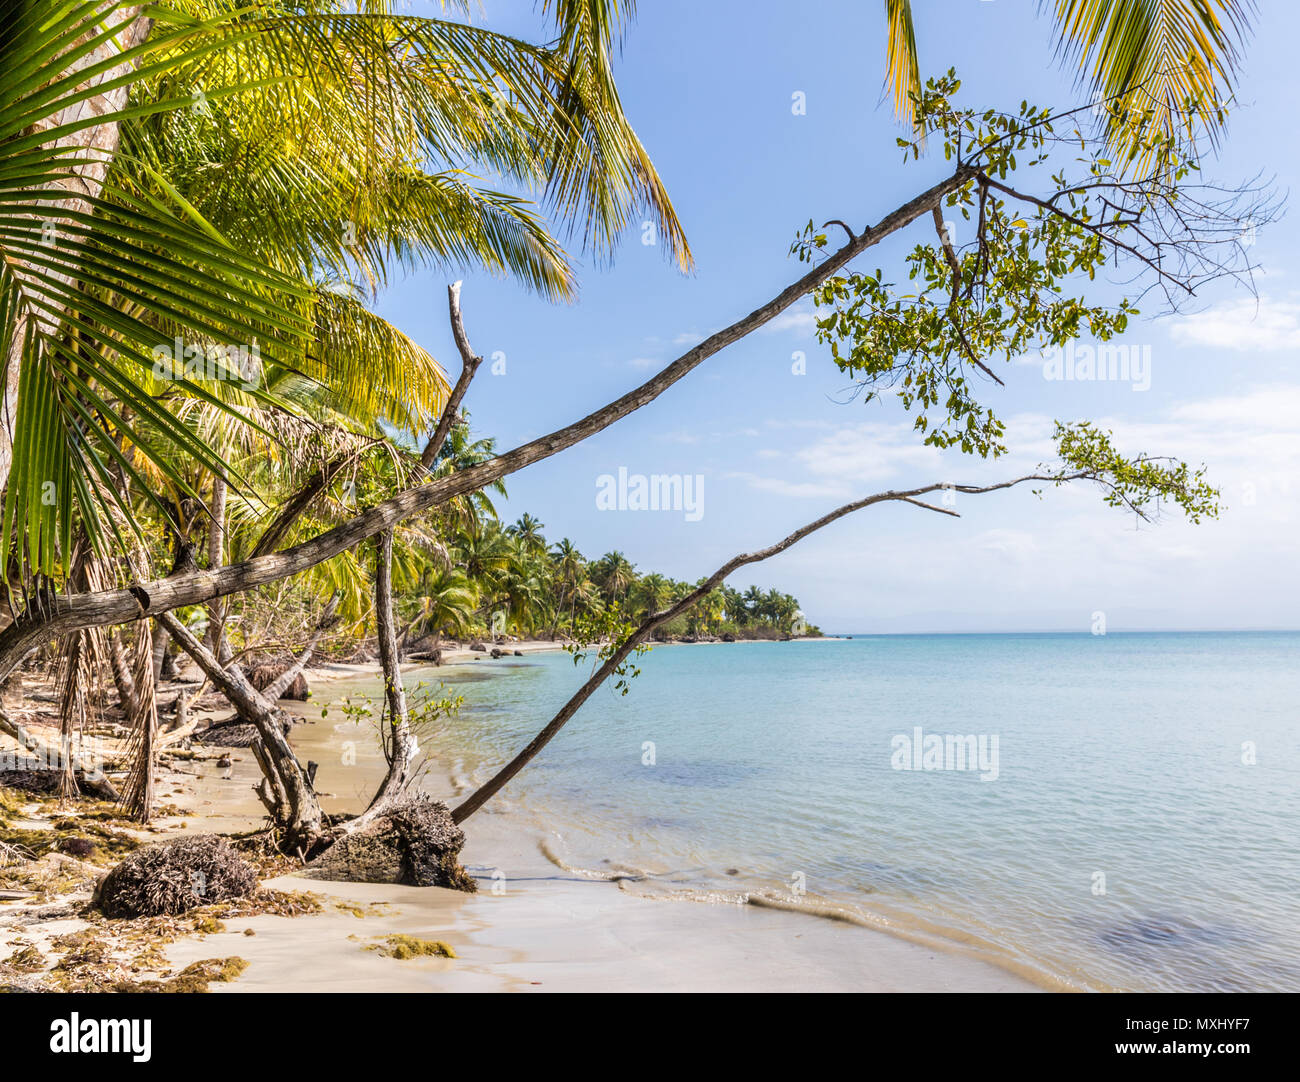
column 566, row 929
column 460, row 655
column 543, row 928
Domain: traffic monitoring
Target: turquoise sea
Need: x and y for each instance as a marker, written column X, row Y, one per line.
column 1132, row 824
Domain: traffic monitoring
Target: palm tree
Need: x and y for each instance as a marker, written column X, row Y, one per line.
column 445, row 603
column 1166, row 67
column 524, row 590
column 707, row 612
column 270, row 154
column 569, row 570
column 734, row 606
column 528, row 532
column 653, row 592
column 615, row 574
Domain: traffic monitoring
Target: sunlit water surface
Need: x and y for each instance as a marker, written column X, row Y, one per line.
column 1140, row 832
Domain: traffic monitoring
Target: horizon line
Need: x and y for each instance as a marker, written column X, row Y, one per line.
column 1046, row 631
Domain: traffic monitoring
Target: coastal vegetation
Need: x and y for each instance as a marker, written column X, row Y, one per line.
column 212, row 446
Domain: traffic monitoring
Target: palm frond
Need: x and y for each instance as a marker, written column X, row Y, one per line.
column 1163, row 68
column 902, row 72
column 369, row 370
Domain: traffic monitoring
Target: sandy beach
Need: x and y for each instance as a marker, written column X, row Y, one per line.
column 544, row 928
column 550, row 930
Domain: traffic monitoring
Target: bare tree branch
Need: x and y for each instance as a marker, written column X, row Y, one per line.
column 469, row 362
column 481, row 795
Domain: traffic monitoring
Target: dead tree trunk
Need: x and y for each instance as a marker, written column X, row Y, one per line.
column 400, row 752
column 300, row 814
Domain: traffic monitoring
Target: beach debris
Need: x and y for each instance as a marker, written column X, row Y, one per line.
column 33, row 779
column 234, row 733
column 176, row 876
column 196, row 976
column 263, row 676
column 414, row 842
column 26, row 959
column 408, row 946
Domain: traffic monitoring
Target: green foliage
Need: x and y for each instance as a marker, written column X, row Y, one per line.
column 1161, row 70
column 271, row 163
column 1138, row 482
column 1016, row 288
column 607, row 630
column 428, row 710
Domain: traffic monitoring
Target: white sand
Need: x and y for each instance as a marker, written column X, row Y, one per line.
column 565, row 936
column 550, row 931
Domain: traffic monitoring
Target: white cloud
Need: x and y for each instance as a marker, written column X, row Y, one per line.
column 800, row 319
column 1243, row 325
column 831, row 490
column 681, row 436
column 840, row 463
column 1018, row 546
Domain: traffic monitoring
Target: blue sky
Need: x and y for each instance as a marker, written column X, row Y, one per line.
column 709, row 88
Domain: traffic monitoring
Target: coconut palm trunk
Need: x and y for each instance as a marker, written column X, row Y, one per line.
column 215, row 635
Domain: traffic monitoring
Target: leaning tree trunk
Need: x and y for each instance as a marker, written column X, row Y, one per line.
column 300, row 814
column 95, row 146
column 101, row 608
column 399, row 727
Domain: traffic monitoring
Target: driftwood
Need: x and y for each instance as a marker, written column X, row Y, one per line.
column 90, row 778
column 35, row 779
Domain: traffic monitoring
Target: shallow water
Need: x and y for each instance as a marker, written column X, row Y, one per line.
column 1124, row 843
